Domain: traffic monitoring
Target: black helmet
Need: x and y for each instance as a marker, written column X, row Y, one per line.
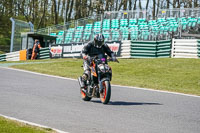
column 98, row 40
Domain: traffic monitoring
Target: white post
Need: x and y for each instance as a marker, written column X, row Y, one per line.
column 172, row 49
column 12, row 34
column 31, row 27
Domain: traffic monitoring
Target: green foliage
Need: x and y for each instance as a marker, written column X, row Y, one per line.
column 4, row 45
column 178, row 75
column 1, row 52
column 4, row 41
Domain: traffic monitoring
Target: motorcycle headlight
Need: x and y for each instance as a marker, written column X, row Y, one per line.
column 103, row 68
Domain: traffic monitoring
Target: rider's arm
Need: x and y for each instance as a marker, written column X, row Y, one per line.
column 85, row 50
column 109, row 52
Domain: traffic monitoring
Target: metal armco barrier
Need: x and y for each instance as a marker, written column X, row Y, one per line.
column 2, row 57
column 13, row 56
column 185, row 48
column 150, row 49
column 44, row 53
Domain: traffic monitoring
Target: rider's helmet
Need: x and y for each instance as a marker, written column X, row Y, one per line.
column 98, row 40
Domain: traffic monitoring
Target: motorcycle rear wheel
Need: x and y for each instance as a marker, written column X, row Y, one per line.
column 84, row 96
column 106, row 94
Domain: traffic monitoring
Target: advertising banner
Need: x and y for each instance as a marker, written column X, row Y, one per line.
column 115, row 47
column 56, row 52
column 73, row 50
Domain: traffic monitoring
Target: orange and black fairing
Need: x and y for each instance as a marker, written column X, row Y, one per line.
column 93, row 69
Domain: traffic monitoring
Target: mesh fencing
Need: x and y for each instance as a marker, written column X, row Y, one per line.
column 19, row 27
column 72, row 31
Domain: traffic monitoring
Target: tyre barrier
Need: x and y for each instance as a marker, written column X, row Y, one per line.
column 13, row 56
column 150, row 49
column 2, row 57
column 198, row 47
column 22, row 55
column 143, row 49
column 44, row 53
column 185, row 48
column 126, row 49
column 164, row 48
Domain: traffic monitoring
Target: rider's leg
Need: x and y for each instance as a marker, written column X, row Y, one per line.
column 86, row 74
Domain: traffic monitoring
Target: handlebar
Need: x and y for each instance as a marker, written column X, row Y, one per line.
column 110, row 59
column 96, row 58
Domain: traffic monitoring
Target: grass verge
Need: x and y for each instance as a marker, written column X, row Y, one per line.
column 1, row 52
column 177, row 75
column 10, row 126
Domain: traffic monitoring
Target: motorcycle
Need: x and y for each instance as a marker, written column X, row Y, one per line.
column 98, row 86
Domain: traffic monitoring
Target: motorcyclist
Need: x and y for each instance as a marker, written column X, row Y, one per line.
column 91, row 49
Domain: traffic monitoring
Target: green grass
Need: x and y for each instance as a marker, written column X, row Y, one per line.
column 10, row 126
column 1, row 52
column 177, row 75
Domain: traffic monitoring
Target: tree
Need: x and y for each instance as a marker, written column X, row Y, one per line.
column 70, row 12
column 55, row 11
column 154, row 9
column 43, row 15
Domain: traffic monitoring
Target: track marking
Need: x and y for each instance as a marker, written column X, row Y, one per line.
column 32, row 124
column 161, row 91
column 145, row 89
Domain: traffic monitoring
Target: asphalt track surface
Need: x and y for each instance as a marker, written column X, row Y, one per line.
column 56, row 102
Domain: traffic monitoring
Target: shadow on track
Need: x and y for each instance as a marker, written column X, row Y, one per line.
column 122, row 103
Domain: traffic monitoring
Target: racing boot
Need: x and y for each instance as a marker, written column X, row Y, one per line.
column 83, row 82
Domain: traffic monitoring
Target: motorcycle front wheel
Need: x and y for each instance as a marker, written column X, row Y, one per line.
column 84, row 96
column 106, row 94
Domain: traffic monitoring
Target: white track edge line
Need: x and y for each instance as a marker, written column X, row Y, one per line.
column 31, row 123
column 37, row 73
column 161, row 91
column 138, row 88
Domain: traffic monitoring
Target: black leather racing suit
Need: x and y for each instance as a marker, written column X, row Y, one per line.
column 91, row 51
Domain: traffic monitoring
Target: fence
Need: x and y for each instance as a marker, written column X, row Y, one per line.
column 18, row 27
column 162, row 13
column 187, row 12
column 70, row 24
column 185, row 48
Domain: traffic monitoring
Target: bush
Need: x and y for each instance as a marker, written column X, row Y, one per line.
column 4, row 44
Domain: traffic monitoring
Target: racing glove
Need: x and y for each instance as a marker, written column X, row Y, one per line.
column 113, row 57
